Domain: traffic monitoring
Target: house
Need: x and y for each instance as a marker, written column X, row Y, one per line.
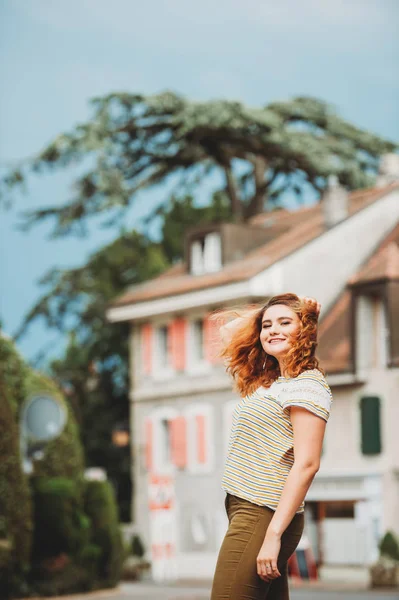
column 343, row 251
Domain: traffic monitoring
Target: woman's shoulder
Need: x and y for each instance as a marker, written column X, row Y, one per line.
column 312, row 377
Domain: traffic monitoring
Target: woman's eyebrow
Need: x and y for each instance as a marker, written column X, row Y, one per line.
column 279, row 319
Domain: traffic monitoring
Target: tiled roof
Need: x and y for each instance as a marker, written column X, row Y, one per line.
column 384, row 264
column 299, row 228
column 334, row 337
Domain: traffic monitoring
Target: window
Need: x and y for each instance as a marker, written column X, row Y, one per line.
column 206, row 254
column 198, row 339
column 163, row 346
column 162, row 356
column 370, row 420
column 371, row 333
column 165, row 440
column 200, row 440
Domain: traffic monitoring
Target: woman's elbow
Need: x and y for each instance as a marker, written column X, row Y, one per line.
column 310, row 466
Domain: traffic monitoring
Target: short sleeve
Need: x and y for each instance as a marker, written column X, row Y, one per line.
column 307, row 391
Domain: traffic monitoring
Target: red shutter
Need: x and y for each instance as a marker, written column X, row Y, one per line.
column 149, row 437
column 211, row 340
column 200, row 426
column 177, row 332
column 147, row 337
column 178, row 434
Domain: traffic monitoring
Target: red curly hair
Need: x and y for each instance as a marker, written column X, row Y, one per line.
column 248, row 363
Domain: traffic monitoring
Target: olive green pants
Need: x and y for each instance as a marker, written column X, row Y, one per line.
column 236, row 576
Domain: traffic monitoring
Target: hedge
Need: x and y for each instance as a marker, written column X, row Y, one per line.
column 100, row 506
column 15, row 498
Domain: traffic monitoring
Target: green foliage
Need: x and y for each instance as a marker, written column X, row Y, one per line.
column 63, row 456
column 13, row 373
column 100, row 505
column 61, row 526
column 72, row 579
column 137, row 546
column 389, row 546
column 15, row 499
column 136, row 142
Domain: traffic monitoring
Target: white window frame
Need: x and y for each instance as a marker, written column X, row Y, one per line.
column 193, row 365
column 371, row 333
column 206, row 410
column 212, row 253
column 161, row 464
column 206, row 254
column 161, row 368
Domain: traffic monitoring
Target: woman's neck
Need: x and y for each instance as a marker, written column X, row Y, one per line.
column 281, row 364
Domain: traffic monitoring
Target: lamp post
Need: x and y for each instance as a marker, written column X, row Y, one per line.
column 42, row 419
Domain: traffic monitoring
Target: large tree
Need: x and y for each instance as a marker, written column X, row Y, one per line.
column 93, row 370
column 135, row 142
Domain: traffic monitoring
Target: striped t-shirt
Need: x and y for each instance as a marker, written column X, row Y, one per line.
column 260, row 453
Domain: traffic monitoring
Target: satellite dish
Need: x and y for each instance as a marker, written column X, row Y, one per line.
column 43, row 418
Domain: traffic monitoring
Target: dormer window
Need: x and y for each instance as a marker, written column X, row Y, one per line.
column 206, row 254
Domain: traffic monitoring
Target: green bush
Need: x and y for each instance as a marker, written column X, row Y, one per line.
column 15, row 498
column 72, row 579
column 389, row 546
column 60, row 523
column 100, row 506
column 137, row 546
column 13, row 374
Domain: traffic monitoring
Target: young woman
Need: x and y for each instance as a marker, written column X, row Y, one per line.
column 275, row 444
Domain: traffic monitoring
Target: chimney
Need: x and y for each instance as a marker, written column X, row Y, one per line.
column 389, row 170
column 334, row 202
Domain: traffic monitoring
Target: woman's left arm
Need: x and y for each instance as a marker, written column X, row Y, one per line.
column 308, row 432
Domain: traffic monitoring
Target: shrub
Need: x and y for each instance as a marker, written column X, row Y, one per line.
column 101, row 507
column 137, row 546
column 71, row 579
column 60, row 523
column 389, row 546
column 15, row 499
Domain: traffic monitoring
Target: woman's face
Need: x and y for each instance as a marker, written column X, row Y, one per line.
column 279, row 324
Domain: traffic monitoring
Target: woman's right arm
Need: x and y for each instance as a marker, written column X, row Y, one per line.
column 228, row 330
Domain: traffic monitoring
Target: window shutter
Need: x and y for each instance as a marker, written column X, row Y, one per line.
column 211, row 340
column 147, row 340
column 149, row 437
column 179, row 441
column 177, row 332
column 370, row 425
column 201, row 439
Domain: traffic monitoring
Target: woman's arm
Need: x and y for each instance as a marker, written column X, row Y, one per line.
column 308, row 440
column 227, row 331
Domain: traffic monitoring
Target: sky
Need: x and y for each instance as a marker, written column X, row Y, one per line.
column 55, row 56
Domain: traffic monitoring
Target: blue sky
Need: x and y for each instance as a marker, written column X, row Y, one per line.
column 57, row 55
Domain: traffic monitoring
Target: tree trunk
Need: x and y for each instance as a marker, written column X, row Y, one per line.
column 236, row 205
column 257, row 203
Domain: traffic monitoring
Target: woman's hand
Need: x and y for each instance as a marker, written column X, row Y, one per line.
column 312, row 304
column 266, row 560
